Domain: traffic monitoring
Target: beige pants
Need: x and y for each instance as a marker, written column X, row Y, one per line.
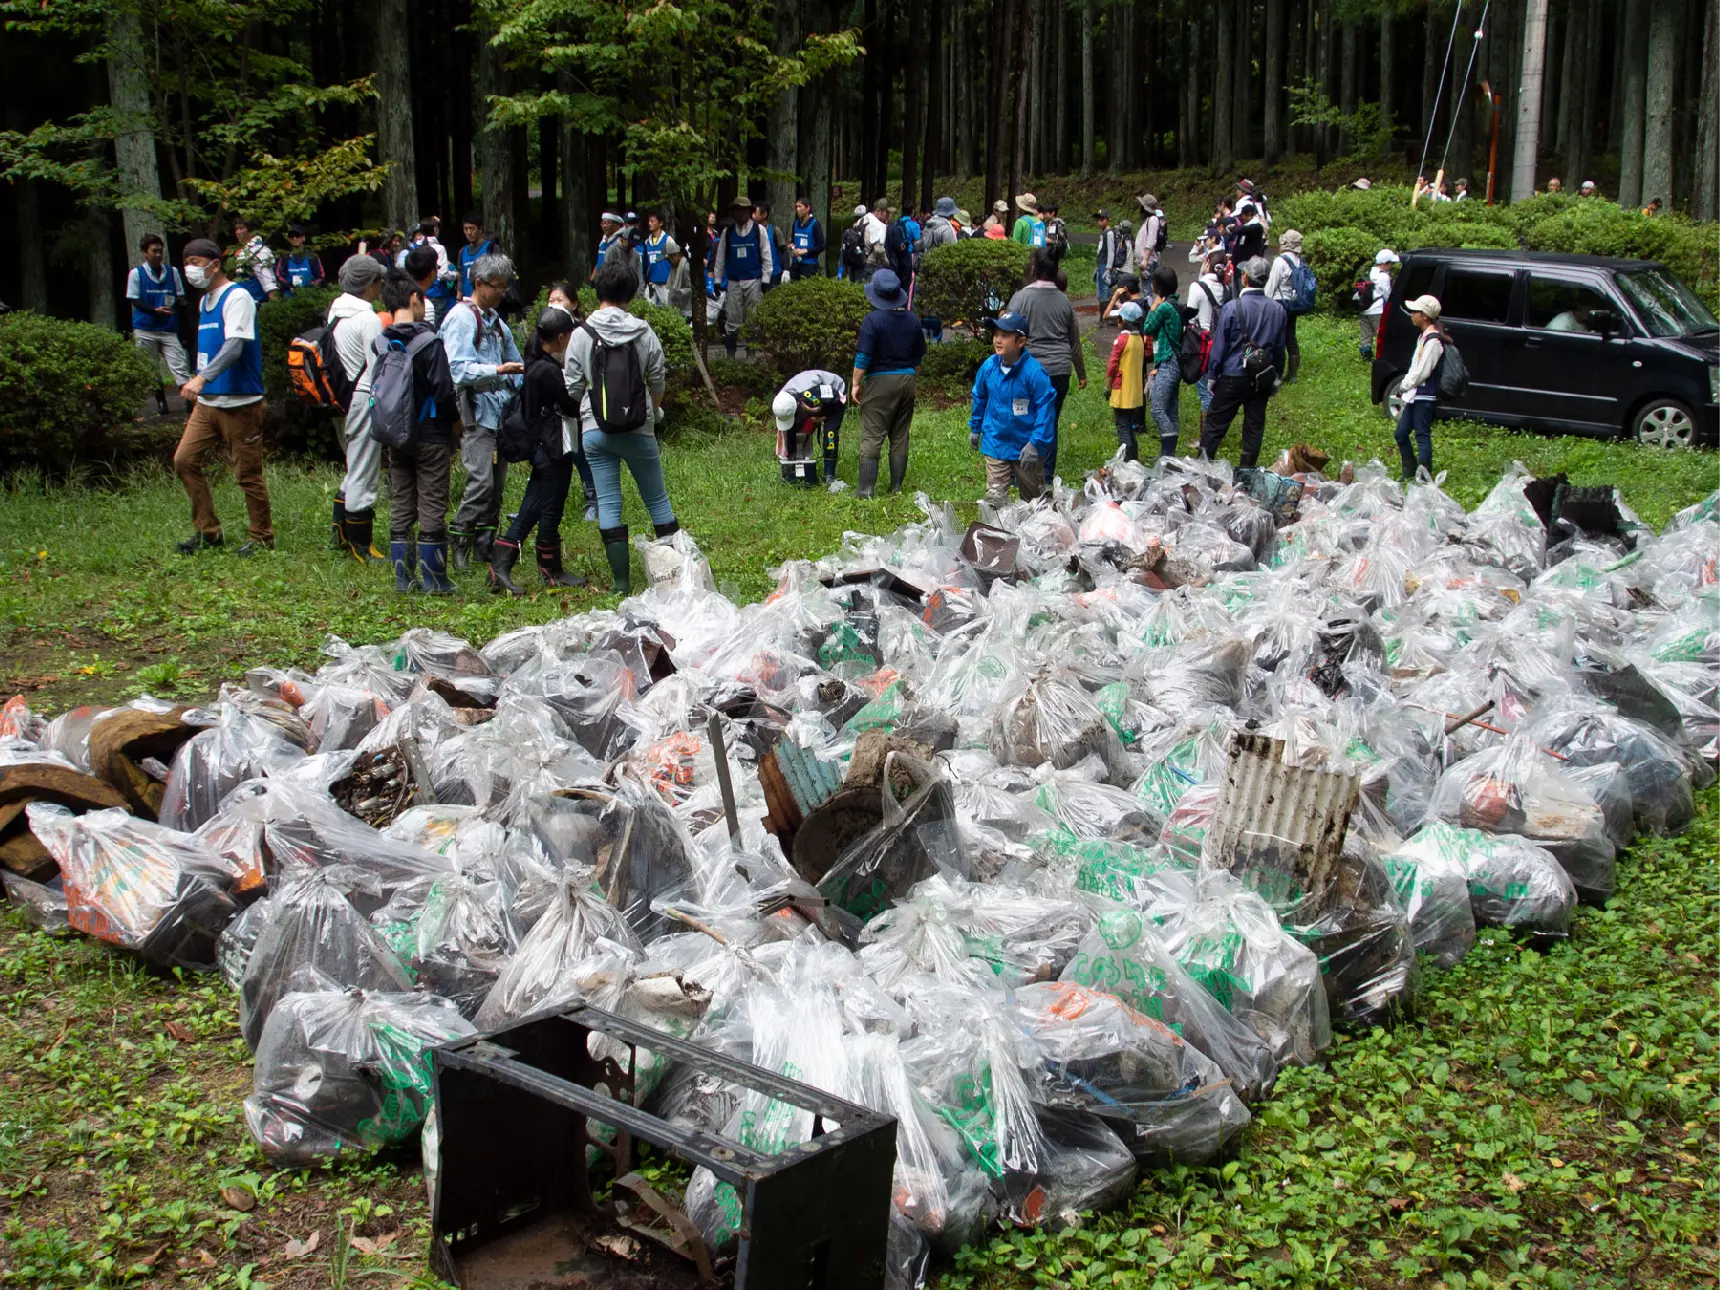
column 1000, row 474
column 241, row 430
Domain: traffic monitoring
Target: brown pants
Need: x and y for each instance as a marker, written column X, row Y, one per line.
column 241, row 429
column 886, row 412
column 418, row 490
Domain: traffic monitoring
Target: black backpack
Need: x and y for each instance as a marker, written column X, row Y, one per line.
column 1163, row 235
column 1196, row 341
column 1453, row 371
column 854, row 251
column 1257, row 364
column 615, row 384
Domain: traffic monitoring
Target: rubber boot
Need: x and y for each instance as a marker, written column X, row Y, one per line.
column 161, row 399
column 483, row 542
column 1167, row 445
column 503, row 555
column 360, row 529
column 460, row 540
column 590, row 504
column 729, row 339
column 549, row 564
column 666, row 530
column 1295, row 365
column 620, row 557
column 337, row 533
column 1126, row 441
column 405, row 561
column 830, row 468
column 899, row 466
column 868, row 478
column 433, row 564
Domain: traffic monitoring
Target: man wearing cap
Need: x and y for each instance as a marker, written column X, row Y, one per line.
column 1014, row 417
column 485, row 363
column 1281, row 286
column 353, row 316
column 302, row 267
column 155, row 290
column 1421, row 388
column 1386, row 261
column 808, row 410
column 1250, row 329
column 1147, row 240
column 887, row 359
column 940, row 228
column 851, row 253
column 228, row 392
column 1029, row 228
column 745, row 258
column 613, row 244
column 806, row 242
column 1588, row 189
column 1113, row 258
column 994, row 222
column 876, row 228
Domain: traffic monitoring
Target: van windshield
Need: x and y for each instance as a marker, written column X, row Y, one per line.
column 1666, row 306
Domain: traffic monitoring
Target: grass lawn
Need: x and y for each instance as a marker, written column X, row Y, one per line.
column 1549, row 1120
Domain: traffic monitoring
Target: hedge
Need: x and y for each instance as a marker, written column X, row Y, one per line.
column 298, row 429
column 806, row 324
column 63, row 386
column 965, row 282
column 1343, row 230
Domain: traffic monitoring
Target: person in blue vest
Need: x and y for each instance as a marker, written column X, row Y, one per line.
column 806, row 242
column 155, row 290
column 302, row 267
column 1014, row 417
column 477, row 246
column 614, row 247
column 254, row 262
column 228, row 393
column 744, row 259
column 655, row 251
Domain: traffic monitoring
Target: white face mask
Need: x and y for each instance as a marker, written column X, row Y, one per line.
column 197, row 275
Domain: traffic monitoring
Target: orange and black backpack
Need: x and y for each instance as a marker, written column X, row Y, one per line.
column 315, row 373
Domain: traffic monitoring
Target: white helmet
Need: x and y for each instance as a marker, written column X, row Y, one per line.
column 782, row 407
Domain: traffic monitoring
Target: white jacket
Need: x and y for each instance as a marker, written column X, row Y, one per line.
column 358, row 328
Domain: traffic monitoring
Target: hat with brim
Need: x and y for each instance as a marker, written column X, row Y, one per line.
column 962, row 217
column 608, row 217
column 1424, row 305
column 1387, row 256
column 1101, row 214
column 1000, row 206
column 741, row 203
column 1148, row 202
column 885, row 291
column 946, row 206
column 1027, row 202
column 1290, row 239
column 1363, row 184
column 1010, row 322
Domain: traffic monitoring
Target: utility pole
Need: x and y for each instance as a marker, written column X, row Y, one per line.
column 1529, row 99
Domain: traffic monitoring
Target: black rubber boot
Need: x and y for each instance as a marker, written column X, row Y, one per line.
column 460, row 547
column 729, row 342
column 1294, row 366
column 667, row 530
column 503, row 556
column 483, row 542
column 1167, row 445
column 161, row 399
column 549, row 565
column 620, row 557
column 1126, row 441
column 337, row 532
column 196, row 542
column 898, row 466
column 868, row 478
column 360, row 530
column 830, row 468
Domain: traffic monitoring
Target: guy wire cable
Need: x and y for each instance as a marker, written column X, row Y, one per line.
column 1474, row 48
column 1440, row 93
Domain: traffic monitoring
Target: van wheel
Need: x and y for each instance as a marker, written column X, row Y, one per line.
column 1392, row 401
column 1664, row 423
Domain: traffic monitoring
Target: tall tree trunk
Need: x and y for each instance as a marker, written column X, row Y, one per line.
column 1328, row 71
column 1224, row 62
column 1570, row 73
column 1435, row 37
column 134, row 140
column 1186, row 110
column 1116, row 107
column 32, row 244
column 1388, row 61
column 1060, row 69
column 1666, row 17
column 1461, row 120
column 104, row 303
column 1551, row 61
column 935, row 157
column 1001, row 55
column 1347, row 87
column 1089, row 74
column 911, row 100
column 870, row 143
column 549, row 203
column 1529, row 100
column 1686, row 95
column 782, row 122
column 495, row 159
column 1633, row 102
column 963, row 96
column 1242, row 81
column 1705, row 202
column 458, row 73
column 1272, row 89
column 394, row 111
column 578, row 248
column 1615, row 109
column 1023, row 61
column 817, row 100
column 1582, row 119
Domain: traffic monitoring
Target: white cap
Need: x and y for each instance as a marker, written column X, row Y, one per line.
column 1387, row 256
column 859, row 210
column 782, row 407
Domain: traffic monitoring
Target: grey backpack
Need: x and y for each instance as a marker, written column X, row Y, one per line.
column 394, row 410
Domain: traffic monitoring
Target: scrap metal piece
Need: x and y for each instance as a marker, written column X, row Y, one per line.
column 795, row 784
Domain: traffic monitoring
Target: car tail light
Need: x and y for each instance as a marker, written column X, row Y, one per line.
column 1380, row 333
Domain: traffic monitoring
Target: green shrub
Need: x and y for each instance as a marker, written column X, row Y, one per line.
column 965, row 282
column 298, row 430
column 810, row 323
column 63, row 386
column 950, row 365
column 1593, row 227
column 673, row 331
column 734, row 373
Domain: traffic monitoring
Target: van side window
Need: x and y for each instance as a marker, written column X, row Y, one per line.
column 1417, row 280
column 1559, row 305
column 1479, row 297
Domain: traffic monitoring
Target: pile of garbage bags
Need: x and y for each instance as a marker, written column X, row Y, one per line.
column 948, row 825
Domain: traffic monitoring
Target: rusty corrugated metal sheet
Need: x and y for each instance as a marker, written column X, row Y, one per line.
column 1281, row 826
column 795, row 783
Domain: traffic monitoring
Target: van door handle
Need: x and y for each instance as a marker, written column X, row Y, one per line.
column 1532, row 342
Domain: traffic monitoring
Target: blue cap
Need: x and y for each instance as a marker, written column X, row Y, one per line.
column 1131, row 312
column 1011, row 321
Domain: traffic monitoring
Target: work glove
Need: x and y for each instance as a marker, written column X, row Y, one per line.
column 973, row 440
column 1030, row 472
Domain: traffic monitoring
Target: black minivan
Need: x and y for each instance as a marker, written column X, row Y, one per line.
column 1576, row 343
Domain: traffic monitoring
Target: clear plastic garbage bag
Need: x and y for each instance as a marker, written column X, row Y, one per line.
column 1431, row 878
column 575, row 949
column 1512, row 882
column 241, row 745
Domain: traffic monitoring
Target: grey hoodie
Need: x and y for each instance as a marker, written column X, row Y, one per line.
column 615, row 326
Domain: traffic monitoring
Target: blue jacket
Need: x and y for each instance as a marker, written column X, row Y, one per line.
column 476, row 346
column 1012, row 409
column 1250, row 315
column 807, row 238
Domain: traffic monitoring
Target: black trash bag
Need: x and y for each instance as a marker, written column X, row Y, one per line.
column 339, row 1072
column 239, row 939
column 314, row 939
column 1168, row 1101
column 1083, row 1166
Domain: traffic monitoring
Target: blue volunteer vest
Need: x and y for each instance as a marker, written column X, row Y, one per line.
column 743, row 261
column 245, row 376
column 296, row 270
column 802, row 233
column 657, row 259
column 155, row 293
column 604, row 245
column 469, row 257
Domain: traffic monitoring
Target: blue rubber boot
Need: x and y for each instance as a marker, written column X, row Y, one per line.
column 405, row 561
column 433, row 565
